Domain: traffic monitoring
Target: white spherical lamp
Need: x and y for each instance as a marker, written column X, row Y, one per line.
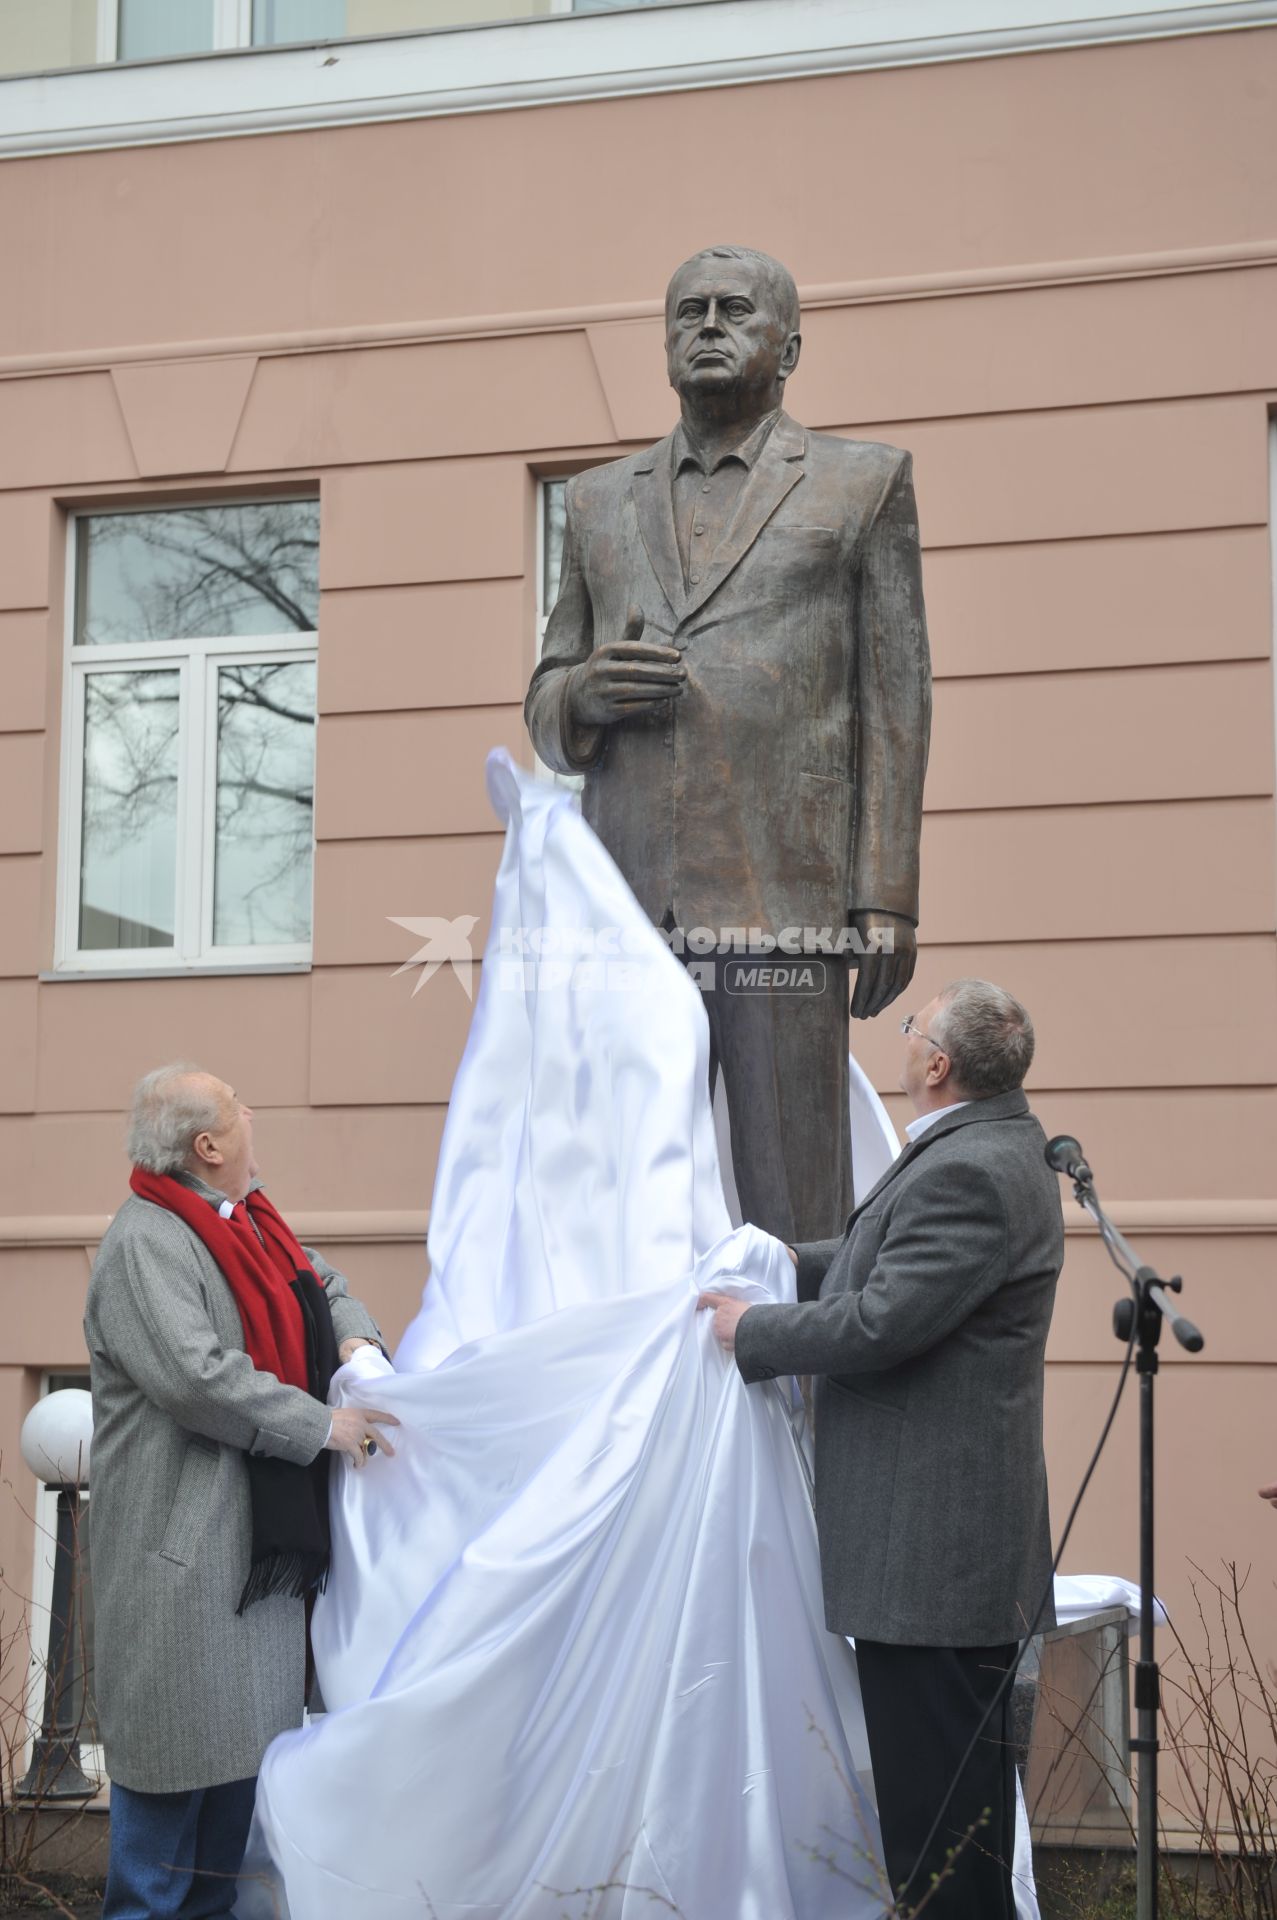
column 57, row 1435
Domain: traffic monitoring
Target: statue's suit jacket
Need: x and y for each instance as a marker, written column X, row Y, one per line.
column 928, row 1322
column 783, row 788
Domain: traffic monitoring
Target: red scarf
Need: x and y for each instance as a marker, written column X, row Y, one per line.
column 260, row 1273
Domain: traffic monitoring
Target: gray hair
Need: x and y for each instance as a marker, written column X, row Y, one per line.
column 170, row 1107
column 778, row 278
column 987, row 1035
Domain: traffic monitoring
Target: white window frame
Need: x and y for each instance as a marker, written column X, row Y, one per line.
column 197, row 663
column 232, row 28
column 92, row 1757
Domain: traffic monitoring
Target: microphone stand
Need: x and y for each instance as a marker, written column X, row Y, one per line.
column 1143, row 1314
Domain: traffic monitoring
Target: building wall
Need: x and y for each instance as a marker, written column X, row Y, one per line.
column 1052, row 276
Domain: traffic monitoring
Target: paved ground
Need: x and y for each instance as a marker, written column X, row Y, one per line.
column 84, row 1903
column 47, row 1912
column 91, row 1911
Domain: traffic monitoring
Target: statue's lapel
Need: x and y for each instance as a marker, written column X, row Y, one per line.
column 652, row 492
column 776, row 472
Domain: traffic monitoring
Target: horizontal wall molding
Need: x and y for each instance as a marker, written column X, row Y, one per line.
column 378, row 1227
column 554, row 60
column 371, row 1228
column 1181, row 1217
column 1016, row 277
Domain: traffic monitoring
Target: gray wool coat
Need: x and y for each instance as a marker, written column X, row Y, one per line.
column 927, row 1324
column 188, row 1694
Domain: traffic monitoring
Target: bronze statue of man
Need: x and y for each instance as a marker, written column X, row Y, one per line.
column 738, row 664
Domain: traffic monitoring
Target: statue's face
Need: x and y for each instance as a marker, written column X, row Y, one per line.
column 724, row 331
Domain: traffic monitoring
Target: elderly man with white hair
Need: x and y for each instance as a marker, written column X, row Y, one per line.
column 213, row 1336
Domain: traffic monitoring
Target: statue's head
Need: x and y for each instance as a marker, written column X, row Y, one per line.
column 731, row 327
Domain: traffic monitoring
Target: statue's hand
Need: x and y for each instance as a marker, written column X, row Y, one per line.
column 627, row 676
column 886, row 966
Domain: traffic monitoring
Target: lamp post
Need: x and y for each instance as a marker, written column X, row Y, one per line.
column 56, row 1437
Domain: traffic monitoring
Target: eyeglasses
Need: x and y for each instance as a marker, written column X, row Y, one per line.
column 907, row 1027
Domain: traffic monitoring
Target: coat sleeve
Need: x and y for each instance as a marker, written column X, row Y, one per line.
column 151, row 1316
column 569, row 641
column 893, row 705
column 944, row 1253
column 815, row 1257
column 351, row 1318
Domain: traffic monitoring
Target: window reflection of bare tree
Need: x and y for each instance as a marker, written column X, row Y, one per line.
column 131, row 724
column 246, row 571
column 265, row 791
column 130, row 801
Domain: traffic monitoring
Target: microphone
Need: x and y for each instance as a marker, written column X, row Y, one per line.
column 1064, row 1155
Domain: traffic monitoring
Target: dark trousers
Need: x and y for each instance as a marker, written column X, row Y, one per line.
column 175, row 1856
column 922, row 1705
column 783, row 1057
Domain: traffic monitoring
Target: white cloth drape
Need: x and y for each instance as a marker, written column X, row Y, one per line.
column 574, row 1636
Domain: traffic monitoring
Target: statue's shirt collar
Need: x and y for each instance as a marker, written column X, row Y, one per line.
column 684, row 451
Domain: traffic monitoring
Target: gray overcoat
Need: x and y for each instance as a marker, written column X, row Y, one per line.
column 927, row 1323
column 188, row 1694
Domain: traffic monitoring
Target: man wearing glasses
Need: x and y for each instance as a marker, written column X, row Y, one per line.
column 926, row 1327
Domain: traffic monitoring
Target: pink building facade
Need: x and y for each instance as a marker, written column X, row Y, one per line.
column 265, row 307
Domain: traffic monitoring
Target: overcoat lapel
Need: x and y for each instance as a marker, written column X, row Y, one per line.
column 776, row 472
column 1002, row 1106
column 652, row 492
column 898, row 1165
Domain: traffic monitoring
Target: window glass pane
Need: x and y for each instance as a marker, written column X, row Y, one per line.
column 265, row 804
column 276, row 22
column 201, row 572
column 554, row 508
column 128, row 855
column 38, row 36
column 408, row 16
column 157, row 29
column 280, row 21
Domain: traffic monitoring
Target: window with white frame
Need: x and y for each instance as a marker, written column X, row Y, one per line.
column 189, row 758
column 40, row 36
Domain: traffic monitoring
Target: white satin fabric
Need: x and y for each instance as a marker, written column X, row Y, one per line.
column 1078, row 1595
column 574, row 1636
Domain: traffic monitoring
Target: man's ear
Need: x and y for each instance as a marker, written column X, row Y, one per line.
column 203, row 1149
column 789, row 358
